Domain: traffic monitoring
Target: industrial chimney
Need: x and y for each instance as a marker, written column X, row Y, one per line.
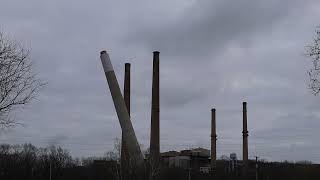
column 213, row 139
column 129, row 135
column 245, row 137
column 127, row 87
column 126, row 95
column 155, row 112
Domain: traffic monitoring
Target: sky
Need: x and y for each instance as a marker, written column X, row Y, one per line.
column 213, row 54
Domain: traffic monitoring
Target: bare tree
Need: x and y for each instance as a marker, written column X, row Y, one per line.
column 313, row 52
column 18, row 84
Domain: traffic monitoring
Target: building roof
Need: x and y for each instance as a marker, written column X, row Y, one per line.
column 189, row 152
column 170, row 154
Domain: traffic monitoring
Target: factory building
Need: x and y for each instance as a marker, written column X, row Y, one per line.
column 185, row 159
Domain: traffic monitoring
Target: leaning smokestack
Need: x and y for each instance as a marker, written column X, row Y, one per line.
column 126, row 95
column 155, row 111
column 129, row 135
column 213, row 139
column 245, row 137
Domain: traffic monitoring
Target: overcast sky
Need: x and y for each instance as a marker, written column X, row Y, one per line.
column 213, row 53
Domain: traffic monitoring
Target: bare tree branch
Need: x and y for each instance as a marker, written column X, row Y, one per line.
column 18, row 84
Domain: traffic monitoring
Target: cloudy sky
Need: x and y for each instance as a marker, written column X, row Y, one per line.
column 214, row 53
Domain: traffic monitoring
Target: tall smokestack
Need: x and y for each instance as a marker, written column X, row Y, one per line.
column 126, row 95
column 155, row 111
column 127, row 86
column 213, row 139
column 129, row 135
column 245, row 136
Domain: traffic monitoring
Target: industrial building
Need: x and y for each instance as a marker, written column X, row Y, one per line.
column 193, row 158
column 199, row 160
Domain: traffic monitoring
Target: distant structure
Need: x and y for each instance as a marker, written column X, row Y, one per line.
column 233, row 164
column 213, row 139
column 155, row 113
column 185, row 159
column 245, row 137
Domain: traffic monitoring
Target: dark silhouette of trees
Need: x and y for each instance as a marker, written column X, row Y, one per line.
column 313, row 52
column 18, row 84
column 33, row 163
column 29, row 162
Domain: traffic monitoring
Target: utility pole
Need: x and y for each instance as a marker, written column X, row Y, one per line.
column 257, row 167
column 50, row 171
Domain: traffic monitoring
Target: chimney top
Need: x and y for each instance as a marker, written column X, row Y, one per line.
column 156, row 52
column 103, row 52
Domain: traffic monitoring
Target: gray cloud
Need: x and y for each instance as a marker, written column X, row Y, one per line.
column 210, row 26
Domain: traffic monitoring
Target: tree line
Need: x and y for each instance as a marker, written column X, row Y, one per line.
column 27, row 161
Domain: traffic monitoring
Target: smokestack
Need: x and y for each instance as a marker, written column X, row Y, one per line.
column 155, row 111
column 213, row 139
column 245, row 136
column 127, row 87
column 129, row 135
column 126, row 95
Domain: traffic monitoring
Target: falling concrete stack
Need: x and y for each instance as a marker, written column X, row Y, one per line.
column 129, row 135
